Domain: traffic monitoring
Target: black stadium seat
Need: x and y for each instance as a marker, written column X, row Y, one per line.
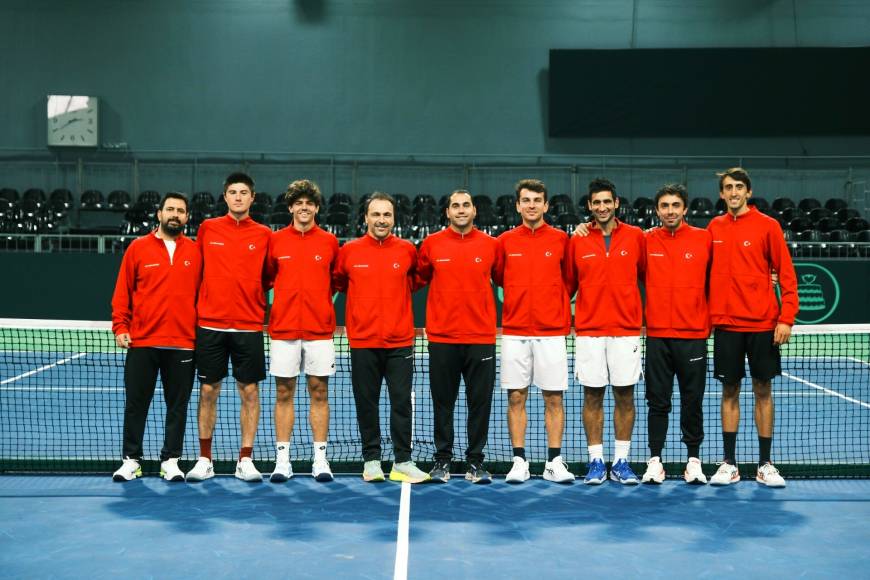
column 857, row 224
column 808, row 204
column 91, row 199
column 119, row 200
column 835, row 204
column 782, row 203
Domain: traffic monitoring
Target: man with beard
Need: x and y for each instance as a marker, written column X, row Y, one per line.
column 154, row 320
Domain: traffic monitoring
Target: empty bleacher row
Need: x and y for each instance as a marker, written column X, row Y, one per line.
column 810, row 224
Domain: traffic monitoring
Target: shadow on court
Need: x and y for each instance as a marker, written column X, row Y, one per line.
column 92, row 527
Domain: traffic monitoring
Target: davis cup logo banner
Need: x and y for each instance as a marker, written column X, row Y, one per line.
column 818, row 292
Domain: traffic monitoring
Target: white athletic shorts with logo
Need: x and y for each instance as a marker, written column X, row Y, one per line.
column 290, row 358
column 607, row 360
column 534, row 360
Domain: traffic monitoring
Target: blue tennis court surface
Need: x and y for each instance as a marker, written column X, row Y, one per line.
column 91, row 527
column 70, row 405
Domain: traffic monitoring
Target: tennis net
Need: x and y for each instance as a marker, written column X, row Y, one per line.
column 62, row 407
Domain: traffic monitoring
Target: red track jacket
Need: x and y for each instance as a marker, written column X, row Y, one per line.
column 155, row 298
column 608, row 298
column 378, row 278
column 532, row 268
column 677, row 265
column 300, row 266
column 460, row 307
column 233, row 257
column 742, row 297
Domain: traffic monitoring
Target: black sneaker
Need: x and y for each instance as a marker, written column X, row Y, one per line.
column 440, row 472
column 478, row 474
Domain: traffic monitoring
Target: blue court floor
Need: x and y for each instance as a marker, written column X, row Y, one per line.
column 91, row 527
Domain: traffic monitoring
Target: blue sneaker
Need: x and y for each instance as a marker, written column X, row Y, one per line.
column 596, row 472
column 621, row 472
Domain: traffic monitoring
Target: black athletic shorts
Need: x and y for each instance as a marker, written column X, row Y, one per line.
column 730, row 350
column 214, row 348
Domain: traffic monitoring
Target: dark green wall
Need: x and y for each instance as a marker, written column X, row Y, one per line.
column 79, row 287
column 372, row 77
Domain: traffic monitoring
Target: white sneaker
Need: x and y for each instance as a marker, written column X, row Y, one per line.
column 725, row 475
column 129, row 470
column 320, row 470
column 204, row 469
column 655, row 471
column 246, row 471
column 519, row 472
column 169, row 470
column 283, row 471
column 769, row 476
column 557, row 471
column 694, row 473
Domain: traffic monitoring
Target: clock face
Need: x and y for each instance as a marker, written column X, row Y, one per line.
column 73, row 121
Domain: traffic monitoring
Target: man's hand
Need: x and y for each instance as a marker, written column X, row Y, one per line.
column 781, row 334
column 123, row 340
column 582, row 230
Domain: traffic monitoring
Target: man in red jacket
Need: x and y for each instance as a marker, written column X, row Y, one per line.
column 604, row 269
column 231, row 308
column 377, row 271
column 458, row 263
column 536, row 318
column 748, row 320
column 677, row 327
column 154, row 318
column 301, row 324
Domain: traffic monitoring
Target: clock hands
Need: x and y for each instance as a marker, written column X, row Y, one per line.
column 70, row 122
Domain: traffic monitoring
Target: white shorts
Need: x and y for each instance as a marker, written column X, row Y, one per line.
column 292, row 357
column 607, row 360
column 540, row 360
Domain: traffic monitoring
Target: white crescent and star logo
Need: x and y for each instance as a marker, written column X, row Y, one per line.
column 395, row 266
column 478, row 260
column 548, row 253
column 187, row 262
column 747, row 243
column 689, row 255
column 252, row 247
column 317, row 258
column 623, row 253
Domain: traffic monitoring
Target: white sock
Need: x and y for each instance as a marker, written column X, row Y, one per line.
column 621, row 450
column 596, row 452
column 282, row 449
column 319, row 450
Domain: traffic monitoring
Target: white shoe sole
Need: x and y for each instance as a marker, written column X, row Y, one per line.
column 555, row 480
column 653, row 479
column 700, row 480
column 517, row 478
column 176, row 477
column 768, row 484
column 197, row 477
column 250, row 478
column 720, row 483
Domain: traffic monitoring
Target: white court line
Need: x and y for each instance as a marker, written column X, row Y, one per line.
column 400, row 572
column 66, row 389
column 858, row 360
column 43, row 368
column 829, row 391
